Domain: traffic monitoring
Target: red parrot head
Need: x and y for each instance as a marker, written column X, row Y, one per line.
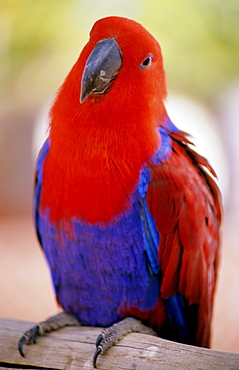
column 104, row 123
column 122, row 53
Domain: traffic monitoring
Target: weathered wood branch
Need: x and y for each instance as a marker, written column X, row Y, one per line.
column 73, row 348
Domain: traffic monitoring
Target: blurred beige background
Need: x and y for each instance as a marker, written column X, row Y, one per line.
column 39, row 42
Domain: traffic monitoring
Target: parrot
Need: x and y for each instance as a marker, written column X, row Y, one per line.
column 127, row 213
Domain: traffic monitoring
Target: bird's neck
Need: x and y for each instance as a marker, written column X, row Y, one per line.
column 94, row 162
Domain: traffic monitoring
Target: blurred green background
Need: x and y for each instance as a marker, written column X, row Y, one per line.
column 40, row 40
column 200, row 41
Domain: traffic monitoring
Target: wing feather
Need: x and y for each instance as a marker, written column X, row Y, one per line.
column 184, row 200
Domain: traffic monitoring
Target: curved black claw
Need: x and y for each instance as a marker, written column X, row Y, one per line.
column 53, row 323
column 113, row 334
column 28, row 338
column 99, row 339
column 96, row 354
column 20, row 345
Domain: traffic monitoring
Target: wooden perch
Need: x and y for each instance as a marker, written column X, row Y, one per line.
column 73, row 348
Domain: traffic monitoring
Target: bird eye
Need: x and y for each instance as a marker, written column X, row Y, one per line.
column 146, row 62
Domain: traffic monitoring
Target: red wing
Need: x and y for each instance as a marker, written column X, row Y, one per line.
column 185, row 203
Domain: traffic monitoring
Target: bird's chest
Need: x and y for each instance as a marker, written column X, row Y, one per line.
column 91, row 181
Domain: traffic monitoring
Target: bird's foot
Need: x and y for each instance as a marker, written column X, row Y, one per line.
column 53, row 323
column 116, row 332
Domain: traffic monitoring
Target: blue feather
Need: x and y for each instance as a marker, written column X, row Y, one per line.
column 175, row 305
column 39, row 172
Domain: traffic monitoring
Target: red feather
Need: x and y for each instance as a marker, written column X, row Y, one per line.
column 185, row 202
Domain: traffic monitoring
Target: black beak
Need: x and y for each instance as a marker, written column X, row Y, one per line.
column 102, row 65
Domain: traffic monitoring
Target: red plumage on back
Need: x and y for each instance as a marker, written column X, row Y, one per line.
column 186, row 205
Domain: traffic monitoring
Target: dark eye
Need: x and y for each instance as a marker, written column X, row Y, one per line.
column 146, row 62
